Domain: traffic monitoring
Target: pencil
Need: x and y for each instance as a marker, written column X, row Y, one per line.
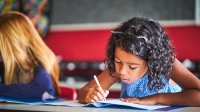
column 98, row 84
column 96, row 80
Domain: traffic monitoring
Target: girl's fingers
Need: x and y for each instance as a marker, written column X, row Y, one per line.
column 89, row 100
column 99, row 96
column 88, row 97
column 94, row 97
column 96, row 94
column 101, row 91
column 131, row 100
column 144, row 101
column 106, row 93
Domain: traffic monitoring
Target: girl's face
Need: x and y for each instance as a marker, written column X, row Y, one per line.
column 129, row 67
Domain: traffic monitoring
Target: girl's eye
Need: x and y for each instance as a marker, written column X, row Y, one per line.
column 132, row 68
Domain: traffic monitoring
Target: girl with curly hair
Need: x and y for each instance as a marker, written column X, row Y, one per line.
column 140, row 54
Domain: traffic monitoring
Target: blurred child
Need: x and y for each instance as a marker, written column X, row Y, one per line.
column 29, row 68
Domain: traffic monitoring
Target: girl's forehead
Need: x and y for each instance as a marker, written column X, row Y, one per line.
column 127, row 57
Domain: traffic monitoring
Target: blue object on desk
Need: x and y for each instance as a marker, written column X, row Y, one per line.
column 27, row 101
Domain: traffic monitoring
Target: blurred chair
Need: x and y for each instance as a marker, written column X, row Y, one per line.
column 68, row 92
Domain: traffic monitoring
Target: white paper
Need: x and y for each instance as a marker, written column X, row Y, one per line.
column 66, row 103
column 147, row 107
column 106, row 103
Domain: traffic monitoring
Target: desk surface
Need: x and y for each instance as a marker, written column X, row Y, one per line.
column 46, row 108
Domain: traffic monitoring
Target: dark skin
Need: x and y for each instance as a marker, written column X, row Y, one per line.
column 190, row 96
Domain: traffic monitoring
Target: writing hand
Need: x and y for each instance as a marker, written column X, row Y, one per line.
column 96, row 94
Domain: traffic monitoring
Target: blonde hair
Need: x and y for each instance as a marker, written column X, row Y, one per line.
column 22, row 48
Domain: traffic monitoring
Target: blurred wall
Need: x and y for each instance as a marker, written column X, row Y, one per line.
column 78, row 43
column 98, row 11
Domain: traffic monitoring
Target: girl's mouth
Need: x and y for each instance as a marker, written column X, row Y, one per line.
column 124, row 80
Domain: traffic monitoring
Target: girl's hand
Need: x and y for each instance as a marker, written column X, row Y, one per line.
column 96, row 94
column 150, row 100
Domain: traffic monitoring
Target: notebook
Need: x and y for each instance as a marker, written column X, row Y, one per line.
column 110, row 103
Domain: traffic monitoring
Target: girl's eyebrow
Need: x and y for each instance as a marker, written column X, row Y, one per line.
column 128, row 63
column 133, row 63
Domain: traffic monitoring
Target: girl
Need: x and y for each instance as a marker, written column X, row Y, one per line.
column 29, row 68
column 140, row 54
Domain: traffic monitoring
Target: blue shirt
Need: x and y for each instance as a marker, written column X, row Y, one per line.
column 140, row 88
column 34, row 89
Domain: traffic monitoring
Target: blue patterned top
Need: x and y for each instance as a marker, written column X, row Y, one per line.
column 139, row 88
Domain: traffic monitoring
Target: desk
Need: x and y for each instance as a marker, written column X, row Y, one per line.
column 8, row 107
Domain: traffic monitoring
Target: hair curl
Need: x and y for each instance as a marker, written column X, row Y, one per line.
column 147, row 39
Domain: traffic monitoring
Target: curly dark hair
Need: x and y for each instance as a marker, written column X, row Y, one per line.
column 147, row 39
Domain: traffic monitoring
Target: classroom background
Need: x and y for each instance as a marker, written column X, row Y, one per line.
column 77, row 31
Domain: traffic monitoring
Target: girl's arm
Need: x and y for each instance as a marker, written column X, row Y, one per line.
column 85, row 93
column 190, row 84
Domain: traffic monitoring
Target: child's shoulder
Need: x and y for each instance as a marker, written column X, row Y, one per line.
column 39, row 69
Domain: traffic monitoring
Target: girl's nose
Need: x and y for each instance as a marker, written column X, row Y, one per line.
column 123, row 70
